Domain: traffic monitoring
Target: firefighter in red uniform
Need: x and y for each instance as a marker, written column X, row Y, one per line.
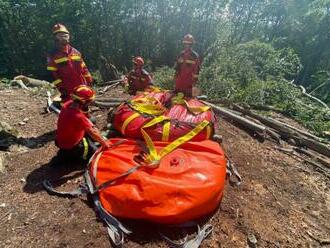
column 138, row 79
column 74, row 130
column 66, row 64
column 187, row 67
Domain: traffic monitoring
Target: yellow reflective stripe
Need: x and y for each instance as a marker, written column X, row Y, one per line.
column 85, row 143
column 51, row 68
column 87, row 75
column 61, row 60
column 208, row 132
column 188, row 61
column 166, row 131
column 75, row 57
column 127, row 121
column 155, row 157
column 57, row 81
column 83, row 64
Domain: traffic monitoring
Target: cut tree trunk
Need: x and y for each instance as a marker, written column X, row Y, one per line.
column 287, row 132
column 241, row 120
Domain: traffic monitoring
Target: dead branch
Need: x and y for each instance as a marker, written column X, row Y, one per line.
column 303, row 90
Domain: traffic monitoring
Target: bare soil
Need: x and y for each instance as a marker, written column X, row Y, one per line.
column 282, row 201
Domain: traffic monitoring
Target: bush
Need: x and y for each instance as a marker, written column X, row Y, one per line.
column 163, row 77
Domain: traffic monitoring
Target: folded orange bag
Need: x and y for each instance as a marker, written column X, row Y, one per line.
column 187, row 184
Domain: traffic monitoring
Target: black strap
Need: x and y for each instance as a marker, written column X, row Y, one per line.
column 82, row 190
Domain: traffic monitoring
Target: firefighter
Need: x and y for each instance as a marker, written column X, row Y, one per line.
column 66, row 64
column 75, row 132
column 138, row 79
column 187, row 67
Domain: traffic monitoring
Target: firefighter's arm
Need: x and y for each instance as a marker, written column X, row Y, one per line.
column 85, row 72
column 95, row 134
column 52, row 69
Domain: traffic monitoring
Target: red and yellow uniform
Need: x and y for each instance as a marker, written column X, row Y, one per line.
column 68, row 70
column 187, row 70
column 138, row 80
column 72, row 126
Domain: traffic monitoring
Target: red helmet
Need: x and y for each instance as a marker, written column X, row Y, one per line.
column 188, row 39
column 138, row 61
column 60, row 28
column 83, row 94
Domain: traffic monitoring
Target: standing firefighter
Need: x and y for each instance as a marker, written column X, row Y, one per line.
column 74, row 130
column 187, row 67
column 66, row 65
column 138, row 78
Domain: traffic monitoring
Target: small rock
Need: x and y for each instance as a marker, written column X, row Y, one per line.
column 2, row 205
column 252, row 240
column 22, row 123
column 22, row 180
column 84, row 231
column 26, row 119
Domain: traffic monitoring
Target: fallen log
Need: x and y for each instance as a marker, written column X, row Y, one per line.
column 287, row 132
column 241, row 120
column 99, row 99
column 19, row 83
column 111, row 82
column 32, row 81
column 323, row 161
column 319, row 167
column 106, row 104
column 307, row 134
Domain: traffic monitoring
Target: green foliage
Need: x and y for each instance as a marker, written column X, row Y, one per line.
column 163, row 77
column 257, row 73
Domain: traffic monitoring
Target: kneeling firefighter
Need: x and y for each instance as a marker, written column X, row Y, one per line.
column 75, row 132
column 138, row 79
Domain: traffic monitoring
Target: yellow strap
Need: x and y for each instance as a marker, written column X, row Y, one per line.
column 147, row 105
column 155, row 157
column 127, row 121
column 85, row 143
column 57, row 81
column 166, row 131
column 51, row 68
column 197, row 109
column 155, row 121
column 179, row 99
column 61, row 60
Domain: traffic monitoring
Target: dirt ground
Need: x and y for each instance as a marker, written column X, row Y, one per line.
column 282, row 201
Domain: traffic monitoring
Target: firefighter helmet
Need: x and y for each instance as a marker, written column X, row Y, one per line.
column 188, row 39
column 60, row 28
column 83, row 94
column 138, row 61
